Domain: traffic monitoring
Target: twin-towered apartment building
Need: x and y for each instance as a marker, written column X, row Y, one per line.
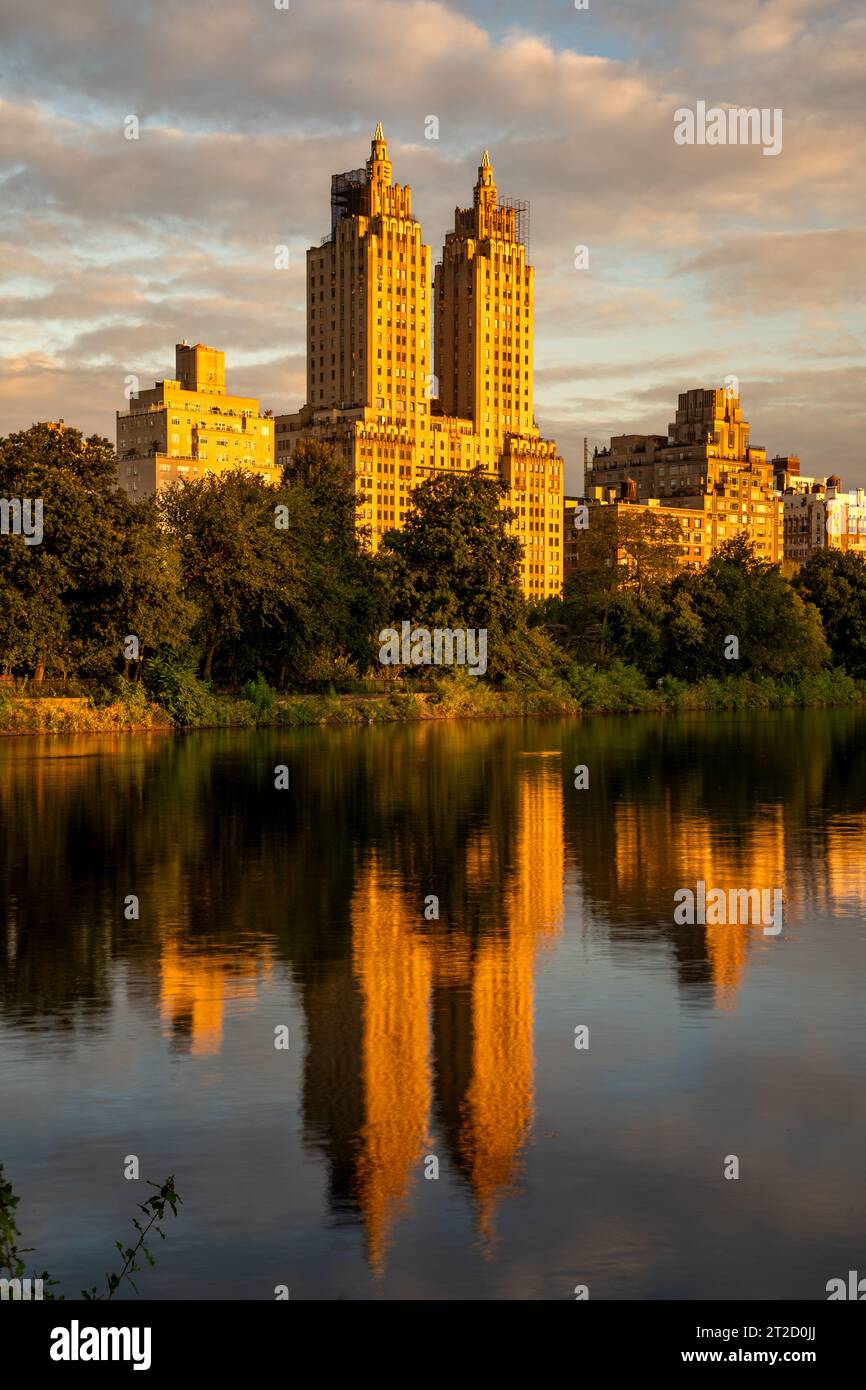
column 370, row 389
column 371, row 394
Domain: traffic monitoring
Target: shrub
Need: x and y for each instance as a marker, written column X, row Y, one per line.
column 458, row 693
column 174, row 684
column 261, row 696
column 614, row 689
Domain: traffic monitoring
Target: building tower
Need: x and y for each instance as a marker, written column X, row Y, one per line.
column 484, row 295
column 369, row 392
column 367, row 300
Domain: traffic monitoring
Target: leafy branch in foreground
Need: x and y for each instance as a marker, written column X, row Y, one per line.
column 10, row 1254
column 154, row 1209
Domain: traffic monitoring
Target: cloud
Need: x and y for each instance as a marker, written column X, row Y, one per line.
column 787, row 271
column 704, row 259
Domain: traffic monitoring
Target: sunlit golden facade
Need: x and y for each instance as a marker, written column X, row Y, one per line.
column 820, row 516
column 370, row 390
column 695, row 545
column 705, row 470
column 190, row 427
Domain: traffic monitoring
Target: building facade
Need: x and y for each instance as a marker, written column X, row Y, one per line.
column 705, row 471
column 189, row 427
column 823, row 517
column 689, row 523
column 370, row 391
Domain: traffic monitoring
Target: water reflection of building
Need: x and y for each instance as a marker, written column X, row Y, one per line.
column 497, row 1107
column 658, row 848
column 846, row 863
column 195, row 987
column 444, row 1020
column 392, row 965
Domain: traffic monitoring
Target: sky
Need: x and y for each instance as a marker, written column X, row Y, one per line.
column 704, row 261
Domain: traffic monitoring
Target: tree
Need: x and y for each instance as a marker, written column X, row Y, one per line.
column 835, row 582
column 151, row 603
column 242, row 572
column 67, row 602
column 613, row 603
column 738, row 595
column 454, row 564
column 348, row 591
column 650, row 544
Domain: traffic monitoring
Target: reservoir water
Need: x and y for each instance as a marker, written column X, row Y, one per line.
column 509, row 1071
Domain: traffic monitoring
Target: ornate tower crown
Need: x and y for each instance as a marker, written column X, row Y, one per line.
column 485, row 191
column 379, row 165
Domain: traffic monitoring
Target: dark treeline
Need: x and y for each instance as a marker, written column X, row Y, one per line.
column 631, row 602
column 228, row 580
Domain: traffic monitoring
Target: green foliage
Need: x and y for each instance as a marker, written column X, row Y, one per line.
column 457, row 693
column 128, row 696
column 174, row 684
column 279, row 578
column 102, row 571
column 345, row 588
column 265, row 589
column 680, row 627
column 154, row 1209
column 611, row 605
column 750, row 692
column 835, row 582
column 617, row 688
column 11, row 1255
column 737, row 594
column 454, row 564
column 261, row 696
column 236, row 566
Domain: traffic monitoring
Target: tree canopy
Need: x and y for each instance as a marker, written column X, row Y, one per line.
column 835, row 582
column 233, row 578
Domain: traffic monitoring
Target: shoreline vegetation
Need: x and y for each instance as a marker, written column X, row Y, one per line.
column 228, row 602
column 618, row 690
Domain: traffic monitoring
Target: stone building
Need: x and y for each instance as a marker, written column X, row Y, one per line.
column 189, row 427
column 370, row 391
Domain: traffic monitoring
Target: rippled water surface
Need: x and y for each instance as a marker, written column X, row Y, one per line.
column 414, row 1038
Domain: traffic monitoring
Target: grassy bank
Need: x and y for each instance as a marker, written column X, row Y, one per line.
column 618, row 689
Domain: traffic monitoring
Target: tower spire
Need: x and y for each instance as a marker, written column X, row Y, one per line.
column 485, row 172
column 379, row 165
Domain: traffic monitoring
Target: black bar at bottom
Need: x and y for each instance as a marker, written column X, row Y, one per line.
column 247, row 1338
